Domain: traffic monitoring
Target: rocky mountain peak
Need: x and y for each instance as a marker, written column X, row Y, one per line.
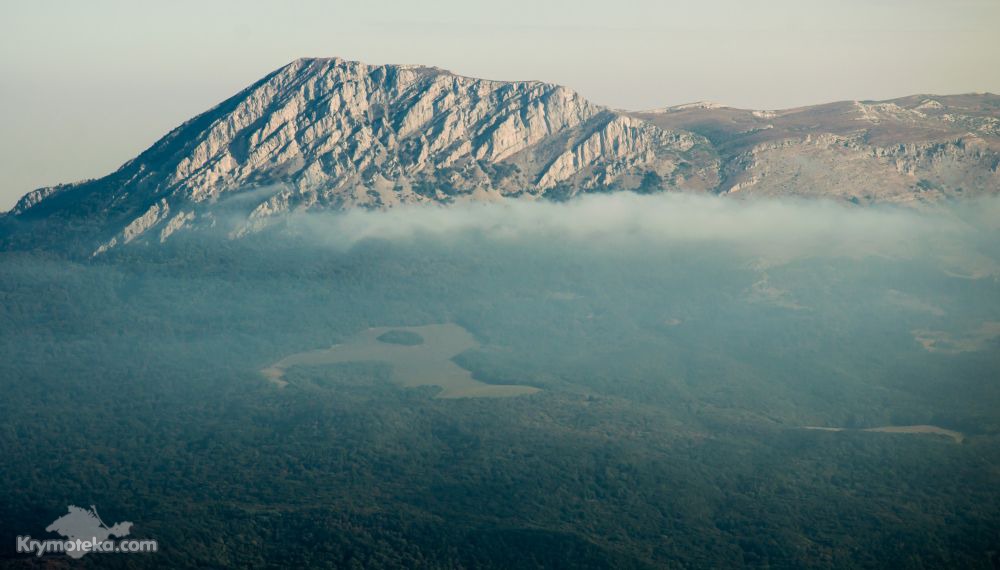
column 330, row 133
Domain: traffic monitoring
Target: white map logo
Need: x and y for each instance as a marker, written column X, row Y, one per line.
column 85, row 524
column 83, row 531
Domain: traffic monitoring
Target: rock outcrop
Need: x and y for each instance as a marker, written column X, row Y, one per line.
column 335, row 134
column 914, row 150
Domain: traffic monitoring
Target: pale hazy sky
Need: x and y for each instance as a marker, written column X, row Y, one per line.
column 87, row 85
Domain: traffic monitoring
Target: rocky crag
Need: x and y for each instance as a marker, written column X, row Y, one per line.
column 336, row 134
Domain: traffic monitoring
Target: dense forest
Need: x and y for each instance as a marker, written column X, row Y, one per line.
column 676, row 383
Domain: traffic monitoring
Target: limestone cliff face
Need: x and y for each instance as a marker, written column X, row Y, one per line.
column 335, row 134
column 322, row 125
column 330, row 133
column 620, row 145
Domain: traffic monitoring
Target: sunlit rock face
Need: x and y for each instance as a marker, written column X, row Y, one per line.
column 336, row 134
column 330, row 133
column 914, row 150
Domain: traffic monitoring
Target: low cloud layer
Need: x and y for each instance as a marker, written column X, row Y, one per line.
column 774, row 228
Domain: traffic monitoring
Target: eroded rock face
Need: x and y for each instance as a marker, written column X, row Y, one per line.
column 31, row 198
column 617, row 147
column 330, row 133
column 324, row 124
column 914, row 150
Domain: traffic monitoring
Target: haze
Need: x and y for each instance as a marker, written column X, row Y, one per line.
column 614, row 381
column 107, row 78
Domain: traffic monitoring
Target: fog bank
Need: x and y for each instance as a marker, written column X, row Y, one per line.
column 775, row 228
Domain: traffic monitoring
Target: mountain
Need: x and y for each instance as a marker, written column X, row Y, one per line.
column 335, row 134
column 921, row 148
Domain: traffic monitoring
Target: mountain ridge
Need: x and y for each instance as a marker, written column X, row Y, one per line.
column 329, row 133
